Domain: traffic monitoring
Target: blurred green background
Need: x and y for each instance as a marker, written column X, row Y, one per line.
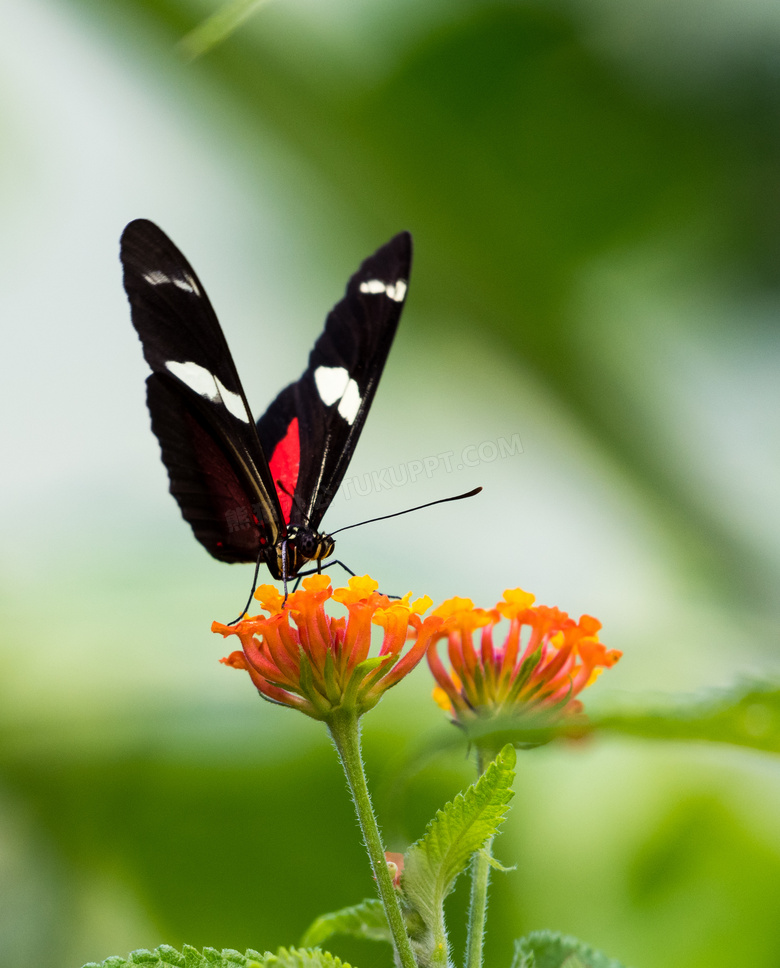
column 594, row 192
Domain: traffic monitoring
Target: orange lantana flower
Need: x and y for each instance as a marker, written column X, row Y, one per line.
column 300, row 657
column 545, row 660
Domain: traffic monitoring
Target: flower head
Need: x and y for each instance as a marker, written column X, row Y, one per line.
column 299, row 656
column 545, row 661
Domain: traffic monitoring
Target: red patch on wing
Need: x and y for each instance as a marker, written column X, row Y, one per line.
column 285, row 464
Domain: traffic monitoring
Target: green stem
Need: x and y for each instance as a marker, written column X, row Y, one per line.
column 480, row 878
column 345, row 731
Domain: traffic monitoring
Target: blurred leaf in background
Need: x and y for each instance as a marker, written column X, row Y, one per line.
column 592, row 188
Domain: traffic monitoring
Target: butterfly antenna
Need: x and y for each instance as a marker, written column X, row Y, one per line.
column 384, row 517
column 252, row 592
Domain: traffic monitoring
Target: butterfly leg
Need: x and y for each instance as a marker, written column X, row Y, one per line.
column 252, row 590
column 316, row 571
column 349, row 571
column 352, row 573
column 320, row 568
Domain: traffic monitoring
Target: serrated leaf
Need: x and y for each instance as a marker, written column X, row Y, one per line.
column 303, row 958
column 547, row 949
column 172, row 955
column 460, row 828
column 167, row 957
column 365, row 920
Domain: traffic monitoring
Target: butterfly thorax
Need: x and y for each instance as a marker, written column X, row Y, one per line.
column 300, row 546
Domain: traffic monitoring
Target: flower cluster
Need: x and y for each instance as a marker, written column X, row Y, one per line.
column 545, row 660
column 300, row 657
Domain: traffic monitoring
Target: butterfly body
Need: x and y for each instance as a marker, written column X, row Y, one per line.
column 257, row 491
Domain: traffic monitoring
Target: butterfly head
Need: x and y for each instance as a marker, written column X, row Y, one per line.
column 301, row 545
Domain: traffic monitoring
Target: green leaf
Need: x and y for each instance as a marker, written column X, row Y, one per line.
column 462, row 827
column 303, row 958
column 747, row 715
column 365, row 920
column 547, row 949
column 167, row 957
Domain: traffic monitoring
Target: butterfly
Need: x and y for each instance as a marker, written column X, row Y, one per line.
column 257, row 492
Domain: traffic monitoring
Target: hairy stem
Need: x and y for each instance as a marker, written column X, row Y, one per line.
column 345, row 731
column 480, row 878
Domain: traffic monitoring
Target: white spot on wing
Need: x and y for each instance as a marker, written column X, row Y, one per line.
column 350, row 402
column 156, row 278
column 331, row 382
column 398, row 291
column 184, row 282
column 197, row 377
column 375, row 287
column 187, row 283
column 232, row 401
column 335, row 386
column 204, row 383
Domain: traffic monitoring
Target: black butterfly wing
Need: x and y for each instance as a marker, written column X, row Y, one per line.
column 310, row 431
column 218, row 472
